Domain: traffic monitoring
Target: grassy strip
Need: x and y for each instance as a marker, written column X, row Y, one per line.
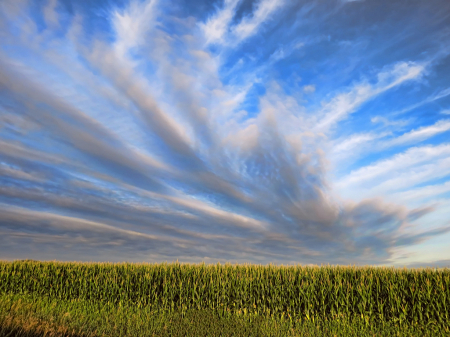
column 378, row 295
column 33, row 316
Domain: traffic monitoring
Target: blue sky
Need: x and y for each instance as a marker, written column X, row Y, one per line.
column 266, row 131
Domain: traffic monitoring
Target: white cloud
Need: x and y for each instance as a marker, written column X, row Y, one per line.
column 13, row 8
column 409, row 178
column 421, row 193
column 346, row 149
column 284, row 52
column 387, row 122
column 401, row 72
column 420, row 134
column 432, row 98
column 412, row 163
column 350, row 146
column 50, row 14
column 132, row 24
column 346, row 103
column 249, row 25
column 445, row 112
column 216, row 26
column 309, row 88
column 439, row 95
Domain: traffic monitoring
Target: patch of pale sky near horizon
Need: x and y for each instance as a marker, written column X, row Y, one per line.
column 423, row 252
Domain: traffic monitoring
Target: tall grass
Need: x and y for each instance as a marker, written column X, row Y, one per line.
column 36, row 316
column 294, row 293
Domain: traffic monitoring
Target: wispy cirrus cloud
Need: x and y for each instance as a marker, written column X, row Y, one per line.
column 421, row 133
column 132, row 24
column 415, row 165
column 346, row 103
column 51, row 14
column 249, row 25
column 217, row 26
column 434, row 97
column 373, row 142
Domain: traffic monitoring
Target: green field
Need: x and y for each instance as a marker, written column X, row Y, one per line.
column 95, row 299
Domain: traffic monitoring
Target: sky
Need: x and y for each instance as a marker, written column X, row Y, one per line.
column 242, row 131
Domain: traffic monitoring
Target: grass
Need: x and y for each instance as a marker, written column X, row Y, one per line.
column 26, row 315
column 75, row 299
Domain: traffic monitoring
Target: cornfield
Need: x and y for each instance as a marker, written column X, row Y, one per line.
column 294, row 292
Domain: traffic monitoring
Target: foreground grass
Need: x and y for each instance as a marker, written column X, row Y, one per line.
column 103, row 299
column 378, row 295
column 34, row 315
